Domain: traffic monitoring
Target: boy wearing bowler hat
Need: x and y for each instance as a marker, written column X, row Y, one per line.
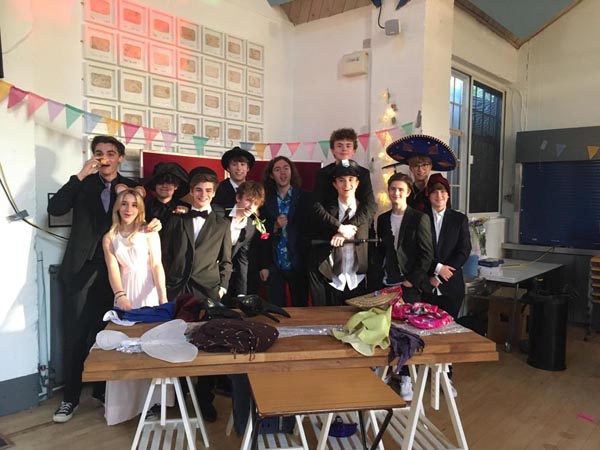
column 237, row 162
column 169, row 183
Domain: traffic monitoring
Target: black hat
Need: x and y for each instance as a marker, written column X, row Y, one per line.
column 442, row 157
column 202, row 169
column 236, row 152
column 346, row 167
column 168, row 168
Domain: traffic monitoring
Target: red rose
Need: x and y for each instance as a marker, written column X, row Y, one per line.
column 264, row 236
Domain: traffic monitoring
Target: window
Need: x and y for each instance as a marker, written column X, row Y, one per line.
column 476, row 128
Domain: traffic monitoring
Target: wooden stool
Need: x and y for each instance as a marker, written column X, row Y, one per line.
column 321, row 391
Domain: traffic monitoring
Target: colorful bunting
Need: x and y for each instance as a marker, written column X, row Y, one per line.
column 130, row 131
column 324, row 147
column 54, row 109
column 592, row 150
column 293, row 146
column 395, row 133
column 72, row 114
column 407, row 128
column 246, row 146
column 149, row 135
column 169, row 137
column 16, row 96
column 91, row 120
column 382, row 136
column 310, row 148
column 4, row 89
column 34, row 102
column 112, row 126
column 559, row 149
column 260, row 150
column 364, row 140
column 199, row 142
column 275, row 147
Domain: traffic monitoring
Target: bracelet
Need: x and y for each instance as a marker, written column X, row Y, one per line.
column 119, row 292
column 117, row 297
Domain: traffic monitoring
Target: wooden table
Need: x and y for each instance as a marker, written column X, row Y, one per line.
column 304, row 353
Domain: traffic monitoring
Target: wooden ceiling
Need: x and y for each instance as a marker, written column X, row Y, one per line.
column 302, row 11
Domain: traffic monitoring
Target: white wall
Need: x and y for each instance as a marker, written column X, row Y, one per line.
column 558, row 72
column 41, row 41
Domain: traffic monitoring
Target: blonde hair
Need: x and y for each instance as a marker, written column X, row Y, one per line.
column 138, row 222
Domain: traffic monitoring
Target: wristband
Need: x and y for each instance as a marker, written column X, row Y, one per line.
column 117, row 297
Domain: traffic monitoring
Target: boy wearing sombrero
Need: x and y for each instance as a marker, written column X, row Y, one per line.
column 237, row 162
column 423, row 154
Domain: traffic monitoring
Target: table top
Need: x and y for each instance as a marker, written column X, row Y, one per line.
column 318, row 391
column 290, row 353
column 515, row 271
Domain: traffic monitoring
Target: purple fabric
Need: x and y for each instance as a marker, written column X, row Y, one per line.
column 403, row 345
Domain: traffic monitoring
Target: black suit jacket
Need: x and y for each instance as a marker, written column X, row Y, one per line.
column 325, row 194
column 206, row 261
column 452, row 249
column 414, row 252
column 322, row 251
column 90, row 221
column 241, row 253
column 297, row 233
column 225, row 196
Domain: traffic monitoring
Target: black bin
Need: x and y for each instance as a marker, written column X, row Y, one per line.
column 547, row 330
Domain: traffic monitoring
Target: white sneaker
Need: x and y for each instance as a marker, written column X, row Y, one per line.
column 406, row 388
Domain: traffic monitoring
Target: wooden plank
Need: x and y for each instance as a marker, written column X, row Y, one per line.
column 338, row 7
column 304, row 11
column 350, row 4
column 326, row 8
column 315, row 10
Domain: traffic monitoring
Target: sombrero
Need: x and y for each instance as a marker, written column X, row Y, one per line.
column 442, row 157
column 372, row 300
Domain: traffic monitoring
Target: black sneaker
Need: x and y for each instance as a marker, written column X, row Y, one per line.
column 153, row 414
column 100, row 397
column 64, row 413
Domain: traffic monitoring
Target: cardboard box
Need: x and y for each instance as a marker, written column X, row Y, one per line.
column 501, row 308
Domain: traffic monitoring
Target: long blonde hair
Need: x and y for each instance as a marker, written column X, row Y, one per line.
column 138, row 222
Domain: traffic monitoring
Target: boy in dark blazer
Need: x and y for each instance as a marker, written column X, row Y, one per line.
column 90, row 195
column 452, row 247
column 237, row 162
column 342, row 267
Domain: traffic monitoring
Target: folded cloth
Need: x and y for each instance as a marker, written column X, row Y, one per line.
column 340, row 429
column 366, row 330
column 149, row 314
column 403, row 346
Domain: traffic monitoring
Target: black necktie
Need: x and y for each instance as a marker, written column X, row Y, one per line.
column 105, row 195
column 193, row 214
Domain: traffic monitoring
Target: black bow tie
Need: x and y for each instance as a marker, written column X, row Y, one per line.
column 193, row 213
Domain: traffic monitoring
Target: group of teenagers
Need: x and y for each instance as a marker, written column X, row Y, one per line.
column 219, row 240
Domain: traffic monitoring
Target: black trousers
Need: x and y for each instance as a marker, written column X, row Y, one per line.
column 89, row 296
column 338, row 298
column 297, row 281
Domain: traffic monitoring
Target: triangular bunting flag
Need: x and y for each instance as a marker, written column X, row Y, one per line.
column 54, row 109
column 34, row 102
column 16, row 96
column 169, row 137
column 382, row 136
column 72, row 114
column 364, row 140
column 91, row 120
column 199, row 142
column 407, row 128
column 4, row 89
column 112, row 126
column 275, row 147
column 394, row 133
column 260, row 150
column 293, row 146
column 246, row 146
column 129, row 130
column 592, row 150
column 149, row 135
column 324, row 147
column 559, row 149
column 310, row 148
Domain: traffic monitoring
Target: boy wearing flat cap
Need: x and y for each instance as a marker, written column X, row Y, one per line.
column 341, row 267
column 237, row 162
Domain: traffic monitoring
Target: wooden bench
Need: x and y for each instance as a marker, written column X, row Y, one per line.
column 322, row 392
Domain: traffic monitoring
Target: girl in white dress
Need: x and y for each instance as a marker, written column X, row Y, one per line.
column 137, row 278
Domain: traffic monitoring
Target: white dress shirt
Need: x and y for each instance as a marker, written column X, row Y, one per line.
column 438, row 219
column 199, row 221
column 236, row 227
column 348, row 277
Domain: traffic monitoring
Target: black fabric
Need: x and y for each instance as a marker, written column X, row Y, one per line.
column 194, row 213
column 235, row 336
column 403, row 346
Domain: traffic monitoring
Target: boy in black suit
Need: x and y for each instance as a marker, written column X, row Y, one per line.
column 91, row 196
column 238, row 163
column 343, row 144
column 198, row 248
column 452, row 247
column 343, row 266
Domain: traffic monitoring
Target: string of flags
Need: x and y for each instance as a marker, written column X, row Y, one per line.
column 592, row 150
column 34, row 102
